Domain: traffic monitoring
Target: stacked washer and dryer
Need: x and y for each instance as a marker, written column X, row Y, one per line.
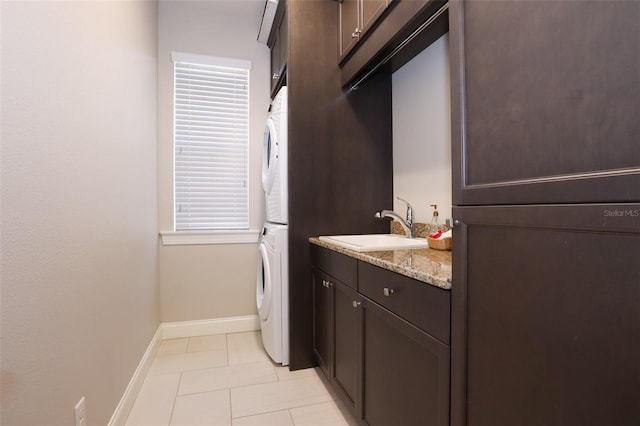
column 272, row 293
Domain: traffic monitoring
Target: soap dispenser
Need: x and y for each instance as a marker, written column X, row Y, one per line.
column 434, row 227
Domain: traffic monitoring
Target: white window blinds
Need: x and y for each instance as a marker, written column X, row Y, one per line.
column 211, row 139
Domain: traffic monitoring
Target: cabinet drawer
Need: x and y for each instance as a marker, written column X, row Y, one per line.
column 426, row 306
column 339, row 266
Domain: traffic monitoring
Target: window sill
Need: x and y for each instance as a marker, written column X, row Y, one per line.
column 177, row 238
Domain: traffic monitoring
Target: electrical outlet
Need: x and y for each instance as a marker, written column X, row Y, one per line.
column 81, row 413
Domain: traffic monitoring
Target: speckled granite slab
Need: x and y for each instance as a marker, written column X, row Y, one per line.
column 426, row 265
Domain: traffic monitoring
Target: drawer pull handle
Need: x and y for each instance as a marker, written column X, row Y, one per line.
column 387, row 291
column 355, row 303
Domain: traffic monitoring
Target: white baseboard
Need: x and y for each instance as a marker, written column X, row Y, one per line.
column 176, row 330
column 123, row 409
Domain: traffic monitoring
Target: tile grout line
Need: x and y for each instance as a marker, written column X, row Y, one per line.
column 175, row 398
column 291, row 417
column 289, row 411
column 230, row 405
column 221, row 389
column 275, row 381
column 328, row 394
column 226, row 342
column 262, row 413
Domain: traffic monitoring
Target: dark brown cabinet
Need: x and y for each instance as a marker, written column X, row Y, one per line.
column 346, row 336
column 327, row 127
column 371, row 10
column 405, row 372
column 336, row 347
column 425, row 306
column 356, row 18
column 388, row 35
column 335, row 321
column 546, row 318
column 322, row 320
column 383, row 366
column 349, row 26
column 279, row 45
column 545, row 101
column 546, row 179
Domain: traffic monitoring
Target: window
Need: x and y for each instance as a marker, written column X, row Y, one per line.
column 211, row 142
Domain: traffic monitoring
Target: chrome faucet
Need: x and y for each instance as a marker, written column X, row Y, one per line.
column 407, row 224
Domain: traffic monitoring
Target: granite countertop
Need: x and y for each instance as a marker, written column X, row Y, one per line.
column 426, row 265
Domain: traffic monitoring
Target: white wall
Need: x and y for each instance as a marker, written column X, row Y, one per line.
column 422, row 132
column 210, row 281
column 79, row 205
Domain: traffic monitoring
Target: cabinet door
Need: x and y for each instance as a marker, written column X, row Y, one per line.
column 283, row 36
column 371, row 10
column 349, row 26
column 346, row 337
column 279, row 51
column 545, row 101
column 405, row 372
column 322, row 320
column 275, row 65
column 546, row 318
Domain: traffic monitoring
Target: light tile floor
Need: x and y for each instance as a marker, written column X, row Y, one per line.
column 228, row 379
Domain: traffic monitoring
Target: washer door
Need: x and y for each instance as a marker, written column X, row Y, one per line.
column 264, row 290
column 269, row 156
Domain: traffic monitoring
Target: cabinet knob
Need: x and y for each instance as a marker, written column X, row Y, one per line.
column 355, row 303
column 275, row 76
column 356, row 33
column 326, row 284
column 387, row 291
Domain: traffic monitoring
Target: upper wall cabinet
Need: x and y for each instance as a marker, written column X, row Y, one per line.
column 383, row 35
column 356, row 18
column 278, row 43
column 545, row 101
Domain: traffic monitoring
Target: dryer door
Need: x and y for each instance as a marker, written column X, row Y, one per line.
column 269, row 156
column 264, row 290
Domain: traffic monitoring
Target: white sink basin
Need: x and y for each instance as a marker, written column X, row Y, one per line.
column 374, row 242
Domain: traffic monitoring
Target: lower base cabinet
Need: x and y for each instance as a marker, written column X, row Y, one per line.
column 322, row 321
column 405, row 372
column 336, row 323
column 385, row 369
column 346, row 349
column 547, row 324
